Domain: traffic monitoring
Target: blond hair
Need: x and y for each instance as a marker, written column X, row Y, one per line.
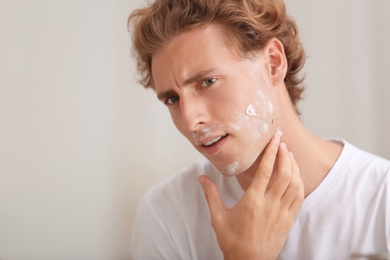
column 250, row 23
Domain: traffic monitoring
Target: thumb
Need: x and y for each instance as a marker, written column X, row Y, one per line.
column 212, row 196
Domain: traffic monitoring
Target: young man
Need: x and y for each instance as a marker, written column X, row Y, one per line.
column 228, row 71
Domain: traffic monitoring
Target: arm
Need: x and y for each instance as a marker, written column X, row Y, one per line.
column 258, row 225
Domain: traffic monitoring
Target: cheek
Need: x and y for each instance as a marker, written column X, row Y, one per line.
column 254, row 116
column 257, row 122
column 263, row 110
column 263, row 103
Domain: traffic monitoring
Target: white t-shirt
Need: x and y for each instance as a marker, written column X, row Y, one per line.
column 347, row 214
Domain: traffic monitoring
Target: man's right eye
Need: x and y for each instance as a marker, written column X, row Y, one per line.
column 171, row 100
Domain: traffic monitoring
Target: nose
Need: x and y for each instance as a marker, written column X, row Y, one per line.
column 193, row 113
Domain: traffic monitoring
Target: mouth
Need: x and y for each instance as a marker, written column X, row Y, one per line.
column 213, row 141
column 214, row 145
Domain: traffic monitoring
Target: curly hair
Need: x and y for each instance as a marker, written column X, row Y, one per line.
column 250, row 25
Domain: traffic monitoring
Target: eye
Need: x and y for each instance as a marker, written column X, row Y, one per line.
column 172, row 100
column 208, row 82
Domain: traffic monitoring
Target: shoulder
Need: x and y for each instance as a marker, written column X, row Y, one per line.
column 367, row 162
column 362, row 171
column 177, row 195
column 183, row 181
column 182, row 189
column 172, row 218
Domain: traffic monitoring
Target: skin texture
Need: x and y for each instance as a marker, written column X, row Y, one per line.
column 211, row 86
column 207, row 86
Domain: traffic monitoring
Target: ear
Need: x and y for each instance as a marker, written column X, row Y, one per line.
column 276, row 61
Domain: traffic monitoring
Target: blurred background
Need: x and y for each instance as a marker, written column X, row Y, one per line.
column 81, row 140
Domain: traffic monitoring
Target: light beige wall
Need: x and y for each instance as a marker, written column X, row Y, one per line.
column 81, row 141
column 347, row 70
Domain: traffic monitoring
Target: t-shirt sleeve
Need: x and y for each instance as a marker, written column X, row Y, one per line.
column 150, row 237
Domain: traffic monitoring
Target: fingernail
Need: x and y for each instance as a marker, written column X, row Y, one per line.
column 278, row 134
column 283, row 145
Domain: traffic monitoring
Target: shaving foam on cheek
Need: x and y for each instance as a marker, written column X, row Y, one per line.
column 270, row 107
column 250, row 110
column 264, row 128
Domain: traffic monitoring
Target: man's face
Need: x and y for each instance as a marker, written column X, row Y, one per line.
column 220, row 101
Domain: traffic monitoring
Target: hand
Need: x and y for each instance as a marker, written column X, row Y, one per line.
column 258, row 225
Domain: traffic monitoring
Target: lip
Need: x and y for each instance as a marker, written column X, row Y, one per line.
column 216, row 147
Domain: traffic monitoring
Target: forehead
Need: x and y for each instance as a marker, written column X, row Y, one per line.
column 213, row 32
column 193, row 50
column 204, row 37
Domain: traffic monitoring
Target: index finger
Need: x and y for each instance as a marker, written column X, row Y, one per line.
column 264, row 172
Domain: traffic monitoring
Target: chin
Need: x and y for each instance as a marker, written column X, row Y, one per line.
column 245, row 158
column 231, row 170
column 240, row 166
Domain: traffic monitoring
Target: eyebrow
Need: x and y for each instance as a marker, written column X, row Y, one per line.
column 198, row 76
column 165, row 94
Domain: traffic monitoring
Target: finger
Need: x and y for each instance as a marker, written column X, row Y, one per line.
column 294, row 192
column 297, row 203
column 211, row 193
column 263, row 174
column 283, row 174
